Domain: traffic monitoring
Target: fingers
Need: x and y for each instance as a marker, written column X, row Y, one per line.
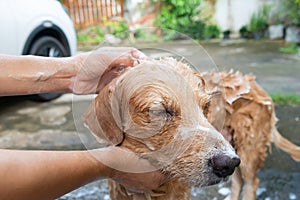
column 124, row 60
column 136, row 173
column 108, row 76
column 127, row 57
column 97, row 68
column 138, row 54
column 128, row 169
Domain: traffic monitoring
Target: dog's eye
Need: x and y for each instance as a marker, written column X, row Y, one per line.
column 162, row 113
column 170, row 113
column 157, row 112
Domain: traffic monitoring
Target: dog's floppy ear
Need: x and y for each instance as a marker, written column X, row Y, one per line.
column 100, row 121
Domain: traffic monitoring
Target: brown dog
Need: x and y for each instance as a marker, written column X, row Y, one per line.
column 157, row 110
column 250, row 126
column 159, row 104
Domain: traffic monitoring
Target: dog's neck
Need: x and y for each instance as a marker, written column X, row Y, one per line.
column 173, row 189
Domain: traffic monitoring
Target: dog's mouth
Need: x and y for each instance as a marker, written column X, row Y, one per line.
column 211, row 179
column 216, row 180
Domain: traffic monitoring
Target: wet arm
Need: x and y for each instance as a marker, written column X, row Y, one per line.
column 34, row 74
column 46, row 174
column 43, row 175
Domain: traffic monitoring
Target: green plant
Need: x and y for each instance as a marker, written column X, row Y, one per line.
column 89, row 35
column 82, row 38
column 244, row 32
column 259, row 20
column 275, row 19
column 227, row 32
column 182, row 16
column 256, row 23
column 243, row 29
column 289, row 12
column 286, row 12
column 118, row 29
column 291, row 47
column 281, row 99
column 212, row 31
column 145, row 35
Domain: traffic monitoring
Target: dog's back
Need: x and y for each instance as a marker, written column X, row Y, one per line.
column 250, row 126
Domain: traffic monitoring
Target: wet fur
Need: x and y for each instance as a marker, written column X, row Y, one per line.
column 191, row 167
column 249, row 126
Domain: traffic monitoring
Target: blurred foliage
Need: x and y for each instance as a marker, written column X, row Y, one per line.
column 259, row 20
column 290, row 47
column 182, row 16
column 244, row 32
column 227, row 32
column 287, row 12
column 291, row 12
column 95, row 34
column 212, row 31
column 118, row 29
column 145, row 35
column 243, row 29
column 90, row 35
column 281, row 99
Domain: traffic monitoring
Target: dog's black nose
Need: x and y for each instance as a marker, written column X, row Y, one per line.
column 224, row 165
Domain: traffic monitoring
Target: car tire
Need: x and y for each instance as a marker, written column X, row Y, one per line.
column 50, row 47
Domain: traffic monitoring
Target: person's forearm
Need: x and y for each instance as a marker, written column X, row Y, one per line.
column 46, row 174
column 32, row 74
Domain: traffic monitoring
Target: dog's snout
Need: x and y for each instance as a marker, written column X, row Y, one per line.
column 223, row 165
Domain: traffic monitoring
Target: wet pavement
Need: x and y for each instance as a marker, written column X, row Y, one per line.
column 275, row 71
column 30, row 125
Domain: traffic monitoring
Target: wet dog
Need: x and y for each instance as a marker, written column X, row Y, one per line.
column 169, row 114
column 159, row 110
column 250, row 126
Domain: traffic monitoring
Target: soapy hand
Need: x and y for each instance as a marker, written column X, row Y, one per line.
column 96, row 69
column 127, row 168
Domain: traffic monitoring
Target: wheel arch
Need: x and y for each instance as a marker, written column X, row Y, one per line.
column 46, row 29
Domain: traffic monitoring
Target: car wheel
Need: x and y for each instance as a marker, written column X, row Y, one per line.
column 50, row 47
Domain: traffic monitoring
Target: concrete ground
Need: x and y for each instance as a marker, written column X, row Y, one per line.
column 275, row 71
column 30, row 125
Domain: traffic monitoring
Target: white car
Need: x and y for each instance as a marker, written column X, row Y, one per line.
column 38, row 27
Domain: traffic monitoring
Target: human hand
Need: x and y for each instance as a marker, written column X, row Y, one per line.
column 139, row 182
column 96, row 69
column 126, row 168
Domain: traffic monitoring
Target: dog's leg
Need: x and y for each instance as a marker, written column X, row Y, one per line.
column 251, row 182
column 248, row 170
column 250, row 189
column 236, row 185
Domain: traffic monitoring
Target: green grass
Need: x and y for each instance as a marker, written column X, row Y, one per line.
column 291, row 48
column 286, row 99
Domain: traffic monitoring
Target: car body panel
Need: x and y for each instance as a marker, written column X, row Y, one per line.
column 28, row 16
column 8, row 34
